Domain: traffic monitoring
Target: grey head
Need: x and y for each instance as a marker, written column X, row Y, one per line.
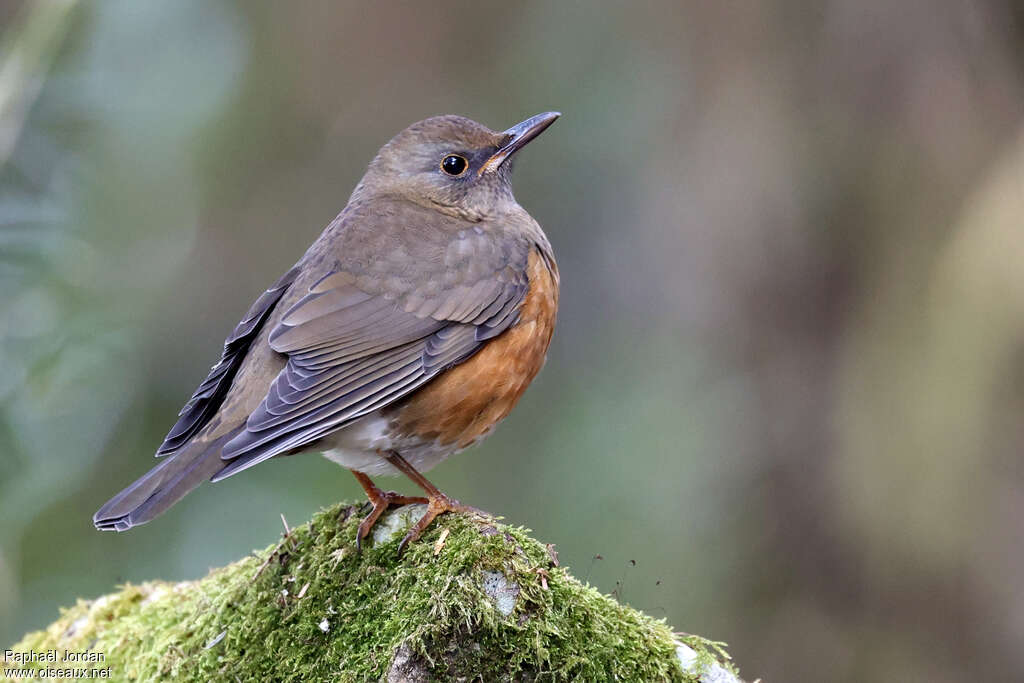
column 451, row 164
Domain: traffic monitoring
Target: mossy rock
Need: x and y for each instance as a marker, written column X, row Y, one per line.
column 473, row 600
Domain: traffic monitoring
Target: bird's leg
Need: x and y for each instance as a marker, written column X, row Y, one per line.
column 437, row 502
column 380, row 501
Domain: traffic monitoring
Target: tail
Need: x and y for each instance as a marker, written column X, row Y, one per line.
column 162, row 487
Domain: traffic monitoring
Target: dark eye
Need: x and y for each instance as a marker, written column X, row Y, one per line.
column 453, row 164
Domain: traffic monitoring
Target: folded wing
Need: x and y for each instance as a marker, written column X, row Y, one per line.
column 208, row 397
column 350, row 353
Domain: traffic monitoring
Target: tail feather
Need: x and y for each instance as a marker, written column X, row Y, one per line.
column 161, row 487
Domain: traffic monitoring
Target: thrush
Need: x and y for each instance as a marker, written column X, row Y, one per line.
column 407, row 331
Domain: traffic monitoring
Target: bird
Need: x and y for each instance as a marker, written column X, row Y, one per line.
column 405, row 333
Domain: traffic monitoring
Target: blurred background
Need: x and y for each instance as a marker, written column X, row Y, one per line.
column 788, row 377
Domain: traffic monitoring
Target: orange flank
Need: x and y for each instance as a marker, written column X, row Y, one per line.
column 464, row 403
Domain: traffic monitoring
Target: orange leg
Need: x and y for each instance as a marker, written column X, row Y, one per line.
column 437, row 502
column 380, row 501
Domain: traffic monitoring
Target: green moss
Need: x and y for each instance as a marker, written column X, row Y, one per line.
column 257, row 619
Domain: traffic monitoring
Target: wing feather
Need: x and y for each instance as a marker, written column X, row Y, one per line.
column 364, row 335
column 208, row 397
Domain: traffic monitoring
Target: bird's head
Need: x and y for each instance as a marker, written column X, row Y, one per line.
column 451, row 163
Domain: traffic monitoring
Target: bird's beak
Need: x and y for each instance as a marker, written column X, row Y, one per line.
column 516, row 138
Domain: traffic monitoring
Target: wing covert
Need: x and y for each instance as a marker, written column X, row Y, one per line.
column 351, row 351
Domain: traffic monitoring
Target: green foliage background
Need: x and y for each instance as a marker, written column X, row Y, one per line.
column 787, row 377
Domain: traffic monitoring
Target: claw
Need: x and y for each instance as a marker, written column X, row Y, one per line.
column 436, row 505
column 381, row 501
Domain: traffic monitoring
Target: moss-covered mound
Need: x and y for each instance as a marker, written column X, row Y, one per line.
column 472, row 600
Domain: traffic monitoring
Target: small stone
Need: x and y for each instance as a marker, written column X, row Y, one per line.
column 395, row 523
column 714, row 673
column 502, row 591
column 406, row 667
column 77, row 624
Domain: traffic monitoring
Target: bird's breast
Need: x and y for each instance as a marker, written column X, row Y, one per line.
column 465, row 402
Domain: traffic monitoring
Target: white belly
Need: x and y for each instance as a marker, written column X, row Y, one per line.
column 359, row 445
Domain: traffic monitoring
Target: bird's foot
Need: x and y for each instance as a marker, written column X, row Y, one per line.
column 437, row 504
column 381, row 501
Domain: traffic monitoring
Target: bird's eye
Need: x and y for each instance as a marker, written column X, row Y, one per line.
column 454, row 165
